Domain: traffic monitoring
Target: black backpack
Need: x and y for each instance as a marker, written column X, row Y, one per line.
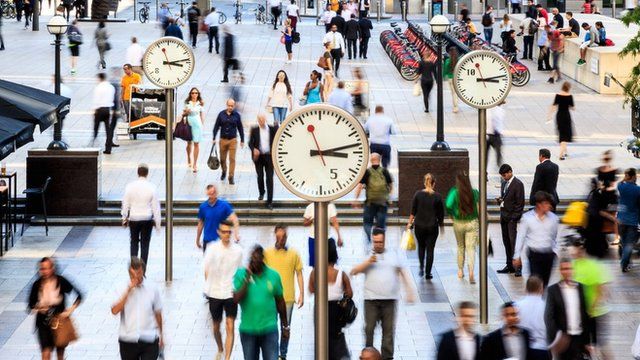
column 533, row 27
column 295, row 37
column 347, row 311
column 486, row 20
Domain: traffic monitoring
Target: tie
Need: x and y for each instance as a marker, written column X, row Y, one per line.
column 504, row 188
column 334, row 41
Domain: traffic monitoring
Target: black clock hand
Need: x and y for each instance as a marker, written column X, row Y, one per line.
column 171, row 63
column 488, row 80
column 181, row 60
column 328, row 153
column 495, row 77
column 341, row 147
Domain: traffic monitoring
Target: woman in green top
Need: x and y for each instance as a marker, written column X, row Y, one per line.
column 447, row 73
column 462, row 205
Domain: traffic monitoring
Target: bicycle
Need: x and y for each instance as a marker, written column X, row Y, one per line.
column 8, row 9
column 238, row 14
column 262, row 17
column 143, row 14
column 222, row 18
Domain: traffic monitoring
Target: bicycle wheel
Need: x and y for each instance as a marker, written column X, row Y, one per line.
column 520, row 78
column 143, row 15
column 409, row 73
column 223, row 18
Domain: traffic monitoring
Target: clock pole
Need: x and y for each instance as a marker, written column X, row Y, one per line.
column 482, row 144
column 322, row 300
column 168, row 138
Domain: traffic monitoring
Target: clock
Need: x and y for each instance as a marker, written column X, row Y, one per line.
column 482, row 79
column 168, row 62
column 320, row 152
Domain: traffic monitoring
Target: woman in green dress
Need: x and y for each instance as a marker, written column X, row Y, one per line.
column 462, row 205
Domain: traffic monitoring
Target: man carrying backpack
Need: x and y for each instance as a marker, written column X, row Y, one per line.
column 529, row 28
column 487, row 22
column 378, row 185
column 193, row 14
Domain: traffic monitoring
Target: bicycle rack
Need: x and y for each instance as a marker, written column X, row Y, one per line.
column 405, row 59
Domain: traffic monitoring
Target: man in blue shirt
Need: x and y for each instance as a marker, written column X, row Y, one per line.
column 628, row 212
column 229, row 124
column 210, row 214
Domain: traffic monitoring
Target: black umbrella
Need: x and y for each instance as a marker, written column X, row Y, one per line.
column 13, row 135
column 31, row 105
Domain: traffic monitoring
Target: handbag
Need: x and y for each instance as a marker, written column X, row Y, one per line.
column 282, row 39
column 75, row 38
column 213, row 162
column 107, row 46
column 417, row 89
column 322, row 62
column 64, row 332
column 347, row 310
column 183, row 130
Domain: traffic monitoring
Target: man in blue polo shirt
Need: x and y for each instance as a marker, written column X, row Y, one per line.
column 210, row 214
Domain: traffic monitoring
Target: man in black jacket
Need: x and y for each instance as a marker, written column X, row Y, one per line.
column 228, row 54
column 545, row 178
column 461, row 339
column 193, row 14
column 353, row 30
column 260, row 141
column 510, row 341
column 340, row 24
column 565, row 316
column 511, row 203
column 365, row 34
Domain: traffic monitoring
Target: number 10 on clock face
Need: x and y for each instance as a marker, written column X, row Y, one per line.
column 320, row 152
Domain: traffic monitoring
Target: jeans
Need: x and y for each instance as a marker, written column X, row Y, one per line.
column 385, row 312
column 213, row 35
column 139, row 351
column 253, row 345
column 371, row 211
column 140, row 233
column 628, row 238
column 466, row 232
column 384, row 150
column 284, row 343
column 488, row 34
column 279, row 114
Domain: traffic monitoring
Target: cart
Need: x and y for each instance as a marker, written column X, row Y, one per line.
column 148, row 112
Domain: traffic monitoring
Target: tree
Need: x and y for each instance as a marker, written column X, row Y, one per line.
column 632, row 86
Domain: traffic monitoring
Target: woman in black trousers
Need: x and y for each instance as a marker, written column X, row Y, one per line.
column 427, row 73
column 427, row 215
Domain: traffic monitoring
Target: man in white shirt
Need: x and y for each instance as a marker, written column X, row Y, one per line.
column 141, row 211
column 495, row 128
column 341, row 98
column 135, row 53
column 221, row 261
column 383, row 275
column 103, row 96
column 140, row 309
column 532, row 318
column 337, row 46
column 461, row 343
column 293, row 13
column 327, row 15
column 380, row 127
column 212, row 20
column 309, row 215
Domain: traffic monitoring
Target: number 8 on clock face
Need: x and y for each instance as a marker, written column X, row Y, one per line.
column 320, row 152
column 482, row 79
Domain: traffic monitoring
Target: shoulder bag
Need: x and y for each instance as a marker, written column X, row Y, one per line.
column 213, row 162
column 183, row 130
column 347, row 310
column 64, row 332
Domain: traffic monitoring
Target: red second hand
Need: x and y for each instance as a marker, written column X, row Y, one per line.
column 310, row 129
column 482, row 77
column 164, row 51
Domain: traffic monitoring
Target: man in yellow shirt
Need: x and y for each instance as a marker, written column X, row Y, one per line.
column 129, row 78
column 286, row 262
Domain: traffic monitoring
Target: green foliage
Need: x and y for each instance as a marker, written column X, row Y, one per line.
column 632, row 86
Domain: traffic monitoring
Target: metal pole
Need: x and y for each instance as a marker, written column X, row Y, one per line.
column 135, row 11
column 57, row 143
column 320, row 225
column 613, row 9
column 168, row 251
column 35, row 15
column 439, row 144
column 379, row 11
column 482, row 144
column 403, row 9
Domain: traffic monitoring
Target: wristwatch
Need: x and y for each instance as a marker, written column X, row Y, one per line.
column 286, row 327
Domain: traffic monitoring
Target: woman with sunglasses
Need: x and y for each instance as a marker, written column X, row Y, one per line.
column 193, row 111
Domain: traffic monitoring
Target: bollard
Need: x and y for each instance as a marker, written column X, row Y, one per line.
column 613, row 9
column 379, row 10
column 403, row 8
column 455, row 5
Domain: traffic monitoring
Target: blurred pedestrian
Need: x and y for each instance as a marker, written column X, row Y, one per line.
column 341, row 98
column 531, row 314
column 545, row 178
column 336, row 41
column 280, row 98
column 461, row 343
column 600, row 220
column 47, row 299
column 194, row 114
column 511, row 202
column 274, row 6
column 293, row 14
column 365, row 30
column 510, row 341
column 127, row 83
column 228, row 54
column 260, row 142
column 448, row 66
column 211, row 213
column 333, row 223
column 462, row 205
column 164, row 15
column 427, row 216
column 427, row 76
column 287, row 36
column 378, row 186
column 103, row 100
column 556, row 45
column 314, row 90
column 173, row 29
column 628, row 215
column 229, row 124
column 353, row 32
column 562, row 106
column 212, row 20
column 19, row 8
column 495, row 128
column 141, row 212
column 101, row 37
column 380, row 127
column 74, row 37
column 607, row 174
column 134, row 55
column 326, row 17
column 545, row 52
column 360, row 93
column 28, row 12
column 193, row 15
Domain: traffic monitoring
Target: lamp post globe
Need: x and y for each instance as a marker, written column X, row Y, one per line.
column 57, row 26
column 439, row 25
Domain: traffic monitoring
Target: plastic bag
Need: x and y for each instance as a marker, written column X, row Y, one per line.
column 576, row 214
column 408, row 241
column 417, row 89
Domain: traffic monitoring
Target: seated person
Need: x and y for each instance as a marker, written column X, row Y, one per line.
column 509, row 46
column 602, row 33
column 590, row 40
column 574, row 27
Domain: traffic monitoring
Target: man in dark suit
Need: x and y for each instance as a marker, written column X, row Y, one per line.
column 511, row 203
column 340, row 24
column 365, row 34
column 461, row 343
column 510, row 341
column 565, row 316
column 545, row 178
column 260, row 141
column 353, row 30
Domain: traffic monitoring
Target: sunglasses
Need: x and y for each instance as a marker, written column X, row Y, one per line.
column 225, row 231
column 195, row 92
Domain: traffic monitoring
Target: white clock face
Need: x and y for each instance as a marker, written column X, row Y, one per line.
column 168, row 62
column 320, row 152
column 482, row 79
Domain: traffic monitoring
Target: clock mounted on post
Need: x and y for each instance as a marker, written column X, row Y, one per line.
column 482, row 79
column 168, row 62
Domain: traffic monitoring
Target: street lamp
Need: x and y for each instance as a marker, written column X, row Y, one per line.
column 439, row 25
column 57, row 26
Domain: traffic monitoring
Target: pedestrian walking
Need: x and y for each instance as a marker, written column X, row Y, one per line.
column 607, row 174
column 545, row 178
column 280, row 98
column 173, row 29
column 544, row 51
column 193, row 15
column 359, row 93
column 427, row 216
column 116, row 110
column 515, row 7
column 141, row 212
column 212, row 20
column 601, row 219
column 487, row 23
column 462, row 205
column 538, row 231
column 47, row 299
column 328, row 84
column 333, row 224
column 229, row 124
column 341, row 98
column 221, row 261
column 19, row 8
column 141, row 334
column 365, row 31
column 528, row 29
column 495, row 128
column 448, row 66
column 340, row 21
column 427, row 75
column 384, row 273
column 531, row 315
column 511, row 202
column 193, row 113
column 336, row 41
column 211, row 213
column 363, row 9
column 260, row 142
column 339, row 288
column 101, row 37
column 287, row 263
column 103, row 100
column 228, row 54
column 326, row 61
column 293, row 14
column 287, row 40
column 556, row 45
column 134, row 55
column 566, row 317
column 378, row 186
column 628, row 215
column 275, row 7
column 326, row 18
column 562, row 106
column 510, row 341
column 129, row 79
column 314, row 89
column 461, row 343
column 353, row 34
column 28, row 12
column 380, row 127
column 258, row 290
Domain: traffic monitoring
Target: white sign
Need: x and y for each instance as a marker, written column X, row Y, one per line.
column 594, row 66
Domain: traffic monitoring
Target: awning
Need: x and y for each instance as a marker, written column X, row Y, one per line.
column 31, row 105
column 13, row 134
